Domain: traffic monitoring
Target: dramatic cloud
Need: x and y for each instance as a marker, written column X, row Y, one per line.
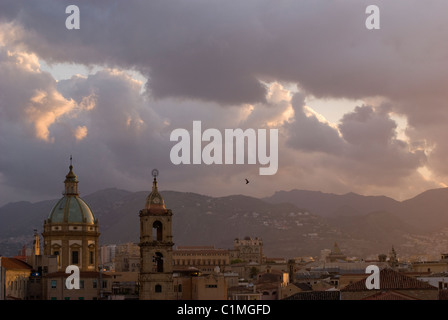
column 230, row 64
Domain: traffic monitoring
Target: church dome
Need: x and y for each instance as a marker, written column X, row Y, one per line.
column 71, row 208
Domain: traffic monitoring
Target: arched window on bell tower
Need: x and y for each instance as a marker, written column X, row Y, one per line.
column 157, row 233
column 158, row 262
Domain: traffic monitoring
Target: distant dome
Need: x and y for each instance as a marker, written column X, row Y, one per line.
column 71, row 209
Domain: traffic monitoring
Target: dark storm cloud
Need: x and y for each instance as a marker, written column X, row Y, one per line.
column 201, row 55
column 374, row 152
column 219, row 50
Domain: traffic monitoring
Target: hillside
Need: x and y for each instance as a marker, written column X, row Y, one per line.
column 294, row 223
column 329, row 204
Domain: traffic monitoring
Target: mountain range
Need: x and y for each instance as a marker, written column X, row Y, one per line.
column 291, row 223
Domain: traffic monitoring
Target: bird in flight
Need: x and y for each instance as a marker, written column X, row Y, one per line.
column 247, row 181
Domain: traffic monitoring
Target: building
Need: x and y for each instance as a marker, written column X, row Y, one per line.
column 71, row 230
column 127, row 258
column 205, row 258
column 93, row 286
column 71, row 234
column 107, row 256
column 270, row 282
column 432, row 266
column 393, row 286
column 247, row 250
column 191, row 284
column 438, row 280
column 156, row 248
column 293, row 288
column 316, row 295
column 244, row 293
column 124, row 285
column 14, row 274
column 42, row 266
column 336, row 254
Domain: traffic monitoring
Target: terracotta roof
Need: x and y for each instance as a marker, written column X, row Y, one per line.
column 266, row 286
column 389, row 295
column 269, row 277
column 315, row 295
column 390, row 280
column 14, row 264
column 303, row 286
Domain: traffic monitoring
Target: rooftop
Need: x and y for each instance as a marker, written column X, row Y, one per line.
column 391, row 280
column 315, row 295
column 14, row 264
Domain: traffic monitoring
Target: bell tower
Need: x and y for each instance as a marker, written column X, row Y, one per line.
column 156, row 248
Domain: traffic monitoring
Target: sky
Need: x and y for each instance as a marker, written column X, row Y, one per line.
column 357, row 110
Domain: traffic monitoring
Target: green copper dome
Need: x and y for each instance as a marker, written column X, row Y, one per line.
column 71, row 208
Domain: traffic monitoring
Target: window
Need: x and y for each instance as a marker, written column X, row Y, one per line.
column 104, row 284
column 158, row 262
column 54, row 283
column 91, row 257
column 158, row 288
column 75, row 257
column 211, row 286
column 157, row 231
column 94, row 283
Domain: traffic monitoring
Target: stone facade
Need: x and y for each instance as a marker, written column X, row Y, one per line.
column 71, row 231
column 204, row 258
column 156, row 249
column 247, row 250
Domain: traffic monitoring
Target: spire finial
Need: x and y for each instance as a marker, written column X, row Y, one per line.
column 154, row 173
column 154, row 198
column 71, row 181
